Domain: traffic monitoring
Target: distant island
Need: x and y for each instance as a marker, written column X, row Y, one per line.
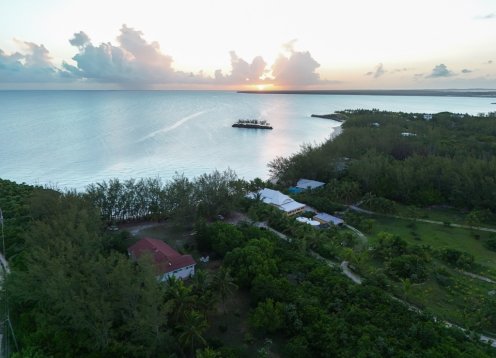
column 439, row 93
column 252, row 123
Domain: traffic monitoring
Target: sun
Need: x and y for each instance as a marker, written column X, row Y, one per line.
column 263, row 87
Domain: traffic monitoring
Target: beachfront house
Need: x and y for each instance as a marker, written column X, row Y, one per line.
column 280, row 201
column 307, row 184
column 325, row 218
column 168, row 262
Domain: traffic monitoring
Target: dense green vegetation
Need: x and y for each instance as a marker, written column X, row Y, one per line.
column 450, row 159
column 73, row 291
column 422, row 179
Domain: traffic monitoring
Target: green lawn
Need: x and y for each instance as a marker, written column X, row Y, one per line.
column 439, row 236
column 451, row 215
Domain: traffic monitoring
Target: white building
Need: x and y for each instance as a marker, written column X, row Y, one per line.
column 307, row 221
column 168, row 262
column 281, row 201
column 325, row 218
column 309, row 184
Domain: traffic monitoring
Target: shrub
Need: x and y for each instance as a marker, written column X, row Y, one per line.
column 408, row 266
column 456, row 258
column 491, row 244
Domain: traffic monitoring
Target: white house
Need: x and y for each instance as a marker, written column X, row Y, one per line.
column 428, row 116
column 168, row 262
column 281, row 201
column 309, row 184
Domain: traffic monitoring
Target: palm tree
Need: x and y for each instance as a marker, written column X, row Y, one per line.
column 180, row 296
column 224, row 284
column 192, row 330
column 201, row 282
column 207, row 353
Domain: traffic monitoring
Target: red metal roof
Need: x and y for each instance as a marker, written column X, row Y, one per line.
column 165, row 257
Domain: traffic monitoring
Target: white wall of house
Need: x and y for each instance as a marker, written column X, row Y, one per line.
column 182, row 273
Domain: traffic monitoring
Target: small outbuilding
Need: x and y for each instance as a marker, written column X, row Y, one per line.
column 308, row 221
column 306, row 184
column 325, row 218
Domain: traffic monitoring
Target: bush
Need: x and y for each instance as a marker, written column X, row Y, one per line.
column 408, row 266
column 268, row 316
column 491, row 244
column 456, row 258
column 443, row 278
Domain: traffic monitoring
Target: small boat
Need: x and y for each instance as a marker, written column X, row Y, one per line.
column 252, row 123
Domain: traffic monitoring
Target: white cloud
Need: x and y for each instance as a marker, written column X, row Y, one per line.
column 32, row 64
column 133, row 60
column 440, row 70
column 296, row 68
column 242, row 71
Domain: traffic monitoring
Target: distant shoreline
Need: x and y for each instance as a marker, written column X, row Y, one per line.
column 437, row 93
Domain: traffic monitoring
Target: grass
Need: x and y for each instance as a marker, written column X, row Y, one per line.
column 443, row 214
column 459, row 302
column 439, row 236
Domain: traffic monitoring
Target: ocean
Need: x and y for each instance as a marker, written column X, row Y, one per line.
column 70, row 139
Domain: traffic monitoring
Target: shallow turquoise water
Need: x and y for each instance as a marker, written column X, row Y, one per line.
column 73, row 138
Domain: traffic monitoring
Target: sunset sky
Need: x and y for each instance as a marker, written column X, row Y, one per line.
column 229, row 44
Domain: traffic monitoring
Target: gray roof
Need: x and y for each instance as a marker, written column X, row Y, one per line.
column 329, row 218
column 309, row 184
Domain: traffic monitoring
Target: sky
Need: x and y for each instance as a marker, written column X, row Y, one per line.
column 230, row 44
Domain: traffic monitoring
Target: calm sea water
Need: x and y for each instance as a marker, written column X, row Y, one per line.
column 73, row 138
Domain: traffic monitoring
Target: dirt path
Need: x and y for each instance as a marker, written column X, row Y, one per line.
column 136, row 229
column 357, row 279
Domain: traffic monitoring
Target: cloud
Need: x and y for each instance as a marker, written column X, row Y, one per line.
column 397, row 70
column 80, row 39
column 32, row 64
column 133, row 60
column 466, row 70
column 242, row 71
column 296, row 68
column 378, row 72
column 487, row 16
column 440, row 70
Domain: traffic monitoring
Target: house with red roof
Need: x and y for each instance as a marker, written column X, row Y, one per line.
column 168, row 261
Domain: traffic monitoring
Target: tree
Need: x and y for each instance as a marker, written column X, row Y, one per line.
column 224, row 285
column 71, row 295
column 192, row 331
column 268, row 316
column 180, row 297
column 256, row 258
